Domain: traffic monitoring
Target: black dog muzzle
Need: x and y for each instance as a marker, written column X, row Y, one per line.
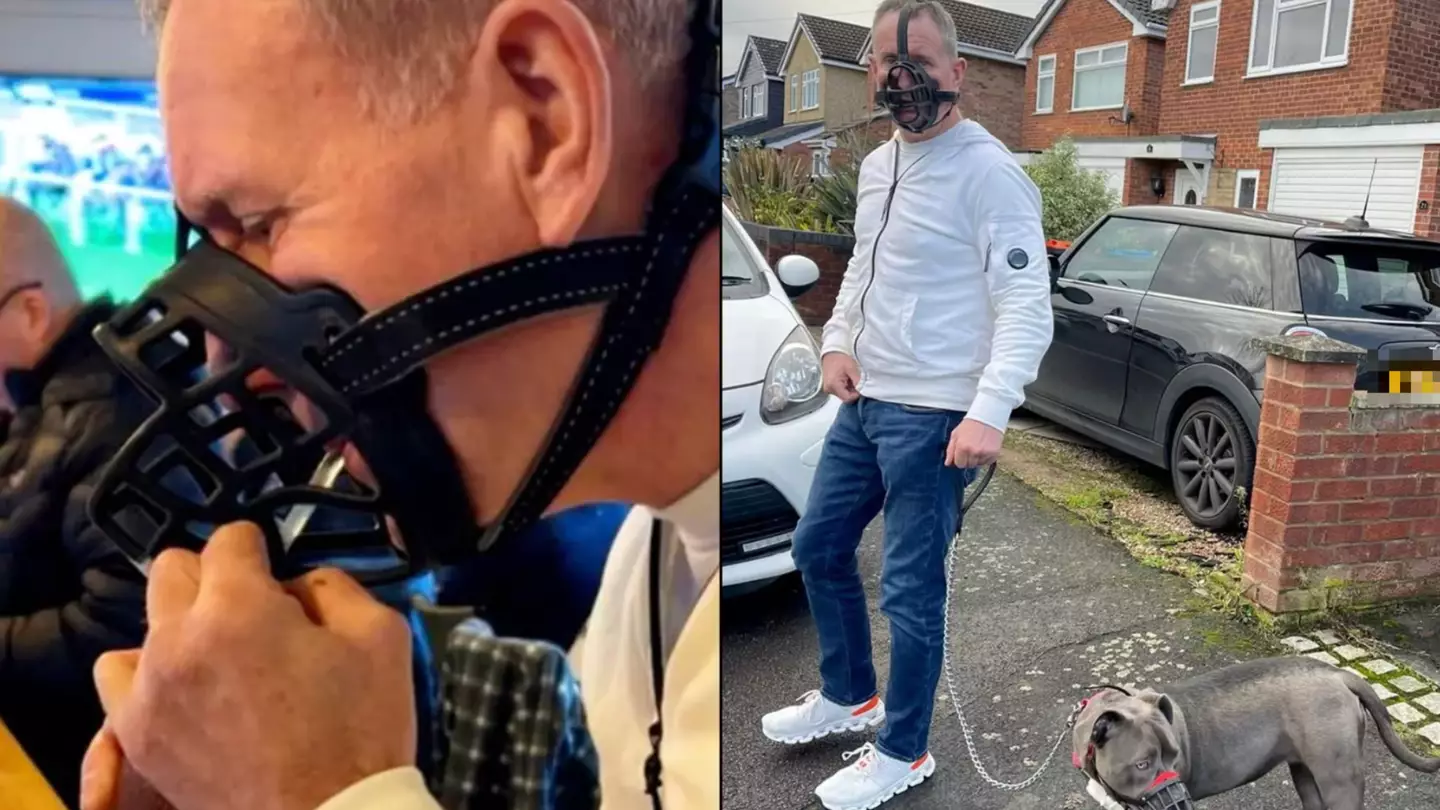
column 1170, row 795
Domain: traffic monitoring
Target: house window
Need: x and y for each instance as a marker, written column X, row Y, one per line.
column 811, row 88
column 1045, row 84
column 744, row 102
column 1099, row 77
column 794, row 92
column 1247, row 183
column 1200, row 52
column 819, row 163
column 757, row 103
column 1294, row 35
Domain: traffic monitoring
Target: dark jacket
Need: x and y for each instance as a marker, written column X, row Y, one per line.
column 66, row 593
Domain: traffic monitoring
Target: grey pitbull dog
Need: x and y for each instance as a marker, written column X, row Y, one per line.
column 1229, row 727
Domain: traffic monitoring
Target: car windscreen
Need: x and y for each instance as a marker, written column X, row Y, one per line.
column 739, row 276
column 1371, row 281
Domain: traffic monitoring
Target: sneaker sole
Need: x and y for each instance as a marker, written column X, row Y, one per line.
column 850, row 726
column 916, row 777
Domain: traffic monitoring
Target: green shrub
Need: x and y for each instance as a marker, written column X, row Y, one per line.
column 1072, row 198
column 836, row 193
column 769, row 188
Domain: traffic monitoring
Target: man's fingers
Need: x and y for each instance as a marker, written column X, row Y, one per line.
column 173, row 585
column 100, row 772
column 235, row 558
column 330, row 596
column 115, row 677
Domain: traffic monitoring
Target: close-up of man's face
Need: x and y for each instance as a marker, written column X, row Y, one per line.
column 926, row 48
column 290, row 150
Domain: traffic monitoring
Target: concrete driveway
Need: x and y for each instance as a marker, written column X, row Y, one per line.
column 1044, row 608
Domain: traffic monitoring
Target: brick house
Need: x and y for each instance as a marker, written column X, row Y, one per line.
column 1248, row 103
column 758, row 91
column 993, row 93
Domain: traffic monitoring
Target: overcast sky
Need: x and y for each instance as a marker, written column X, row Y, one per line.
column 776, row 18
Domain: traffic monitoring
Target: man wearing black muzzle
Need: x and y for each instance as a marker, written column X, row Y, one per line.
column 459, row 269
column 940, row 323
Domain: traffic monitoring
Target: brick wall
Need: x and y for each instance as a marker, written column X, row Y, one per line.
column 1427, row 221
column 1346, row 488
column 1412, row 81
column 830, row 251
column 1137, row 182
column 1083, row 24
column 994, row 95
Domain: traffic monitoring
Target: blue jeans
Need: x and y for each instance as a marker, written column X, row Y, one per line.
column 883, row 454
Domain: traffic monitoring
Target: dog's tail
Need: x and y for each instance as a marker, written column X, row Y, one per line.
column 1372, row 704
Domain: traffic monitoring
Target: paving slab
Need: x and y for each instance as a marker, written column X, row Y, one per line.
column 1044, row 608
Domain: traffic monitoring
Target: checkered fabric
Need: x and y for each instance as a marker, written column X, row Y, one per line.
column 512, row 729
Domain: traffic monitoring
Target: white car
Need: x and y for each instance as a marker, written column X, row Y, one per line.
column 774, row 415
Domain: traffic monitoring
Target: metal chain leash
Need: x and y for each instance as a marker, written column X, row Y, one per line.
column 950, row 557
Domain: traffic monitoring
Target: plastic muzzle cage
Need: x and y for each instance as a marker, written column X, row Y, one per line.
column 1173, row 795
column 214, row 452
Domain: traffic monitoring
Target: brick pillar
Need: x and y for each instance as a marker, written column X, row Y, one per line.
column 1300, row 468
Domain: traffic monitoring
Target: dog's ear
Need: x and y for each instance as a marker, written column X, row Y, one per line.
column 1105, row 725
column 1160, row 702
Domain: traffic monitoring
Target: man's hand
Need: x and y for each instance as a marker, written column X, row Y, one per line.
column 973, row 444
column 248, row 694
column 841, row 375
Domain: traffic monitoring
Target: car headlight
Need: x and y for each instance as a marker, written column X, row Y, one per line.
column 793, row 381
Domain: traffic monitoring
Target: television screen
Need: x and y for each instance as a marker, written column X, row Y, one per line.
column 88, row 156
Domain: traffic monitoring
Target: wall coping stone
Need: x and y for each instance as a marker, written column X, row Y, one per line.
column 786, row 236
column 1308, row 349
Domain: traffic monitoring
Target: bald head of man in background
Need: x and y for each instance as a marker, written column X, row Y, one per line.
column 38, row 296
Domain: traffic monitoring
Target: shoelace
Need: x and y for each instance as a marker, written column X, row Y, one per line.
column 865, row 765
column 808, row 702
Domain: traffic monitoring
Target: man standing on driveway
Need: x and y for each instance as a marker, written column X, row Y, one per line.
column 941, row 321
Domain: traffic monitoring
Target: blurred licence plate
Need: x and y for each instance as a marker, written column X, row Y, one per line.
column 769, row 542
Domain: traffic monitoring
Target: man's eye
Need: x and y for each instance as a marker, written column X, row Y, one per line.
column 1143, row 765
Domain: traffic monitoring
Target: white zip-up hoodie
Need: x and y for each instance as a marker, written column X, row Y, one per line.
column 946, row 300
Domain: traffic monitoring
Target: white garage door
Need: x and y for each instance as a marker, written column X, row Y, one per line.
column 1112, row 169
column 1332, row 183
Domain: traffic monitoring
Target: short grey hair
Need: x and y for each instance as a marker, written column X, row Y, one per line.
column 922, row 8
column 412, row 53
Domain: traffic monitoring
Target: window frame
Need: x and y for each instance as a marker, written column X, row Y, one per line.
column 1040, row 75
column 809, row 79
column 819, row 162
column 1098, row 230
column 1124, row 65
column 1276, row 8
column 1190, row 42
column 1240, row 177
column 1266, row 275
column 757, row 103
column 794, row 92
column 745, row 103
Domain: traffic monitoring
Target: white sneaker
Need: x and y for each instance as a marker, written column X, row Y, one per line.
column 873, row 780
column 815, row 717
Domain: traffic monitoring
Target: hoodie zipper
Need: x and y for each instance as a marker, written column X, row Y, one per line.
column 895, row 178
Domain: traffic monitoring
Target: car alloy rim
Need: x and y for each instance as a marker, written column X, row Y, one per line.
column 1206, row 465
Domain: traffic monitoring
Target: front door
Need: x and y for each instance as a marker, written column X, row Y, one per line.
column 1187, row 190
column 1096, row 302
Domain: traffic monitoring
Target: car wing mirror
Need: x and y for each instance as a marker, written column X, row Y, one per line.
column 797, row 274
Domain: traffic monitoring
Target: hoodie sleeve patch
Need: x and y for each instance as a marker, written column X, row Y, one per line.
column 1017, row 258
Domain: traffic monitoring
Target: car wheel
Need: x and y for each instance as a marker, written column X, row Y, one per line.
column 1211, row 455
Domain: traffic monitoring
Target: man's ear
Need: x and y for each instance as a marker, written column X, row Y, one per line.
column 1104, row 726
column 1160, row 702
column 555, row 117
column 959, row 68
